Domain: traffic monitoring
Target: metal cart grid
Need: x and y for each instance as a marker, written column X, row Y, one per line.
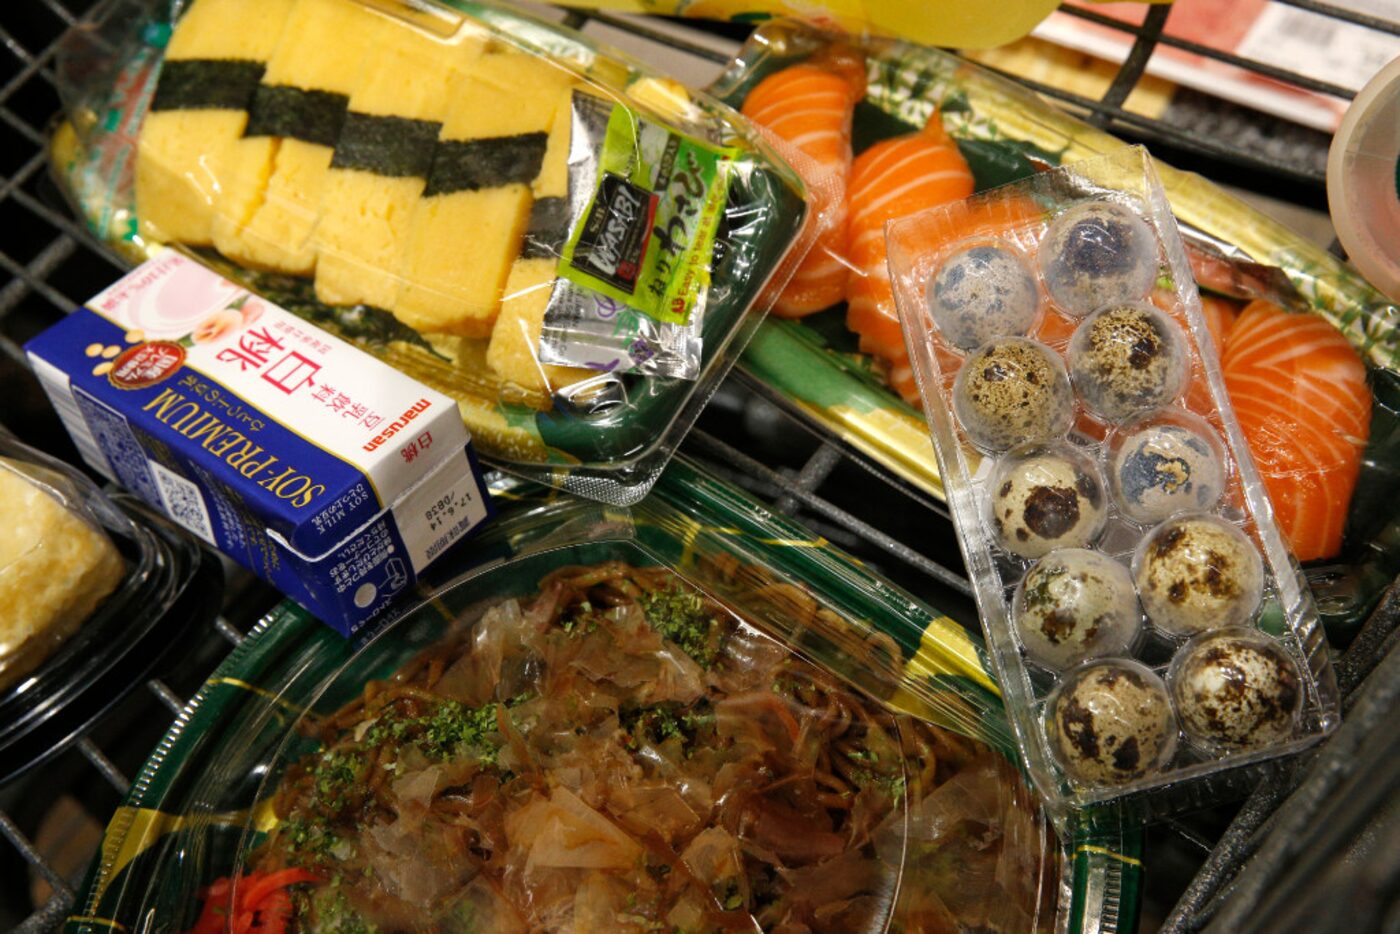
column 51, row 264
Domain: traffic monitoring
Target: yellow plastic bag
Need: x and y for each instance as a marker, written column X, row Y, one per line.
column 955, row 23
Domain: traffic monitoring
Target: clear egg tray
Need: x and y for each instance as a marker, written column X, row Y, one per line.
column 1078, row 412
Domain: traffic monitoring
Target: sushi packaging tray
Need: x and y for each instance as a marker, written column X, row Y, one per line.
column 572, row 247
column 1152, row 633
column 851, row 376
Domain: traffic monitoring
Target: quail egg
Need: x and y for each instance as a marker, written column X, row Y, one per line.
column 1196, row 573
column 981, row 293
column 1013, row 390
column 1043, row 498
column 1125, row 359
column 1164, row 465
column 1097, row 254
column 1111, row 722
column 1075, row 604
column 1236, row 689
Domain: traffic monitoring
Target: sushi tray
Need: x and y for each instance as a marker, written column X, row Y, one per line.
column 1289, row 320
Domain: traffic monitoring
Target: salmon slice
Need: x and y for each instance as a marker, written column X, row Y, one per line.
column 894, row 178
column 1299, row 392
column 810, row 106
column 1220, row 314
column 901, row 380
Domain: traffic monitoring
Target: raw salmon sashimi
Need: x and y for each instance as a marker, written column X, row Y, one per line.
column 1220, row 315
column 1299, row 391
column 810, row 107
column 894, row 178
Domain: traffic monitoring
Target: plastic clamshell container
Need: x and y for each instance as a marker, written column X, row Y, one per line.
column 1077, row 225
column 166, row 584
column 449, row 178
column 795, row 597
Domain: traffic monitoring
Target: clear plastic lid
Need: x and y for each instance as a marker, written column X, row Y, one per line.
column 58, row 562
column 95, row 590
column 598, row 736
column 570, row 245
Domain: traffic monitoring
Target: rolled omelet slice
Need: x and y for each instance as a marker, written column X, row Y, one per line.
column 212, row 67
column 267, row 213
column 466, row 229
column 55, row 569
column 513, row 353
column 381, row 164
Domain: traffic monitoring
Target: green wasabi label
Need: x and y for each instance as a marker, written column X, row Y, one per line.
column 647, row 233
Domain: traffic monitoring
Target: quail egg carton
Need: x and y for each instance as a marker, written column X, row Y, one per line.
column 1112, row 521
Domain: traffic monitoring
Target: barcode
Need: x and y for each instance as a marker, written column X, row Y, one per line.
column 118, row 444
column 183, row 502
column 56, row 386
column 1307, row 27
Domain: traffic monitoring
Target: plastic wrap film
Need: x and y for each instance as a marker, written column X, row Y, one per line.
column 1153, row 635
column 1003, row 133
column 736, row 592
column 571, row 246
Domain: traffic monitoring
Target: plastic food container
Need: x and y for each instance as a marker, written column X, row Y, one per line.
column 1363, row 180
column 102, row 589
column 968, row 846
column 1110, row 514
column 569, row 245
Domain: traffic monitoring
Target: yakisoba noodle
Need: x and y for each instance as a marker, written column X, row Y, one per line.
column 621, row 753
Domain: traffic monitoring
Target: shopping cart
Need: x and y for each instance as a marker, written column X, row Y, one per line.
column 1225, row 866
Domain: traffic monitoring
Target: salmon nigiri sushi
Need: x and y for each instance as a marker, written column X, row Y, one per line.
column 894, row 178
column 1299, row 391
column 810, row 107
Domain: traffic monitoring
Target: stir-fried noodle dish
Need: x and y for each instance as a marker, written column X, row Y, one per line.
column 619, row 752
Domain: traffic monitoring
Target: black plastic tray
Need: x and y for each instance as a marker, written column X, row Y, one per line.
column 172, row 584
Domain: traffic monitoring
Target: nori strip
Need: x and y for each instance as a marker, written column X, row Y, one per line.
column 548, row 229
column 473, row 164
column 283, row 110
column 396, row 147
column 207, row 84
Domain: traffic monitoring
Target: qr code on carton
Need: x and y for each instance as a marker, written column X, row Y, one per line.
column 183, row 502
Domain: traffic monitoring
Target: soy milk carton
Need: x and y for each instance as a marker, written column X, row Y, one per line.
column 329, row 474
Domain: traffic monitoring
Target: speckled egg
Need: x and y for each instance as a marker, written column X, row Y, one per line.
column 1196, row 573
column 1075, row 604
column 982, row 293
column 1125, row 359
column 1111, row 722
column 1011, row 391
column 1043, row 498
column 1162, row 467
column 1097, row 254
column 1236, row 689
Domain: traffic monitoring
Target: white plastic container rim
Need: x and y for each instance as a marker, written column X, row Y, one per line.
column 1363, row 181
